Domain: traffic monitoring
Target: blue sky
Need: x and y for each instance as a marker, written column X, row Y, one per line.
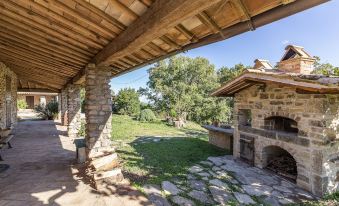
column 316, row 29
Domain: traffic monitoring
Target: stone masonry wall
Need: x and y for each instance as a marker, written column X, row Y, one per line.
column 98, row 110
column 315, row 147
column 74, row 110
column 6, row 97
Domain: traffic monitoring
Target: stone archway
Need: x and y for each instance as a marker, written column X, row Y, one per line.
column 280, row 161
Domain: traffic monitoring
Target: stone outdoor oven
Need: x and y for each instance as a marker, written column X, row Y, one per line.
column 287, row 120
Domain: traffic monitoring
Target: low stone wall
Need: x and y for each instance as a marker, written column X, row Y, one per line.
column 220, row 137
column 8, row 97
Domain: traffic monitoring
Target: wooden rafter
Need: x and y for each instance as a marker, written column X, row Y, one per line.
column 170, row 42
column 210, row 23
column 122, row 7
column 102, row 14
column 40, row 83
column 244, row 12
column 188, row 34
column 154, row 23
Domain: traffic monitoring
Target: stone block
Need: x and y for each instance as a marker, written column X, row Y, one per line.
column 106, row 162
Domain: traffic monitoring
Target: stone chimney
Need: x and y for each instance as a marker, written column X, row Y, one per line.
column 296, row 60
column 262, row 64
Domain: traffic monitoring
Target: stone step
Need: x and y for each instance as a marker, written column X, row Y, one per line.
column 100, row 152
column 105, row 179
column 106, row 163
column 112, row 174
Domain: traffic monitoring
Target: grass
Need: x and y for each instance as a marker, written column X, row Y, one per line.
column 124, row 128
column 154, row 162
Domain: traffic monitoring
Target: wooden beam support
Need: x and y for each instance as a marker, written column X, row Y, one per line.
column 210, row 23
column 170, row 42
column 40, row 83
column 154, row 23
column 156, row 48
column 244, row 11
column 122, row 7
column 188, row 34
column 102, row 14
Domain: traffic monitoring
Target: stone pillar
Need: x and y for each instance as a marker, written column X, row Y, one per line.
column 63, row 107
column 98, row 109
column 74, row 110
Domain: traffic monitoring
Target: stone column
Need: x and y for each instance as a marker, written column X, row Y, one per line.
column 74, row 110
column 63, row 107
column 98, row 109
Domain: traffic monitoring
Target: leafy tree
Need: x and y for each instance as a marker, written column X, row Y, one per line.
column 176, row 85
column 226, row 74
column 127, row 102
column 324, row 68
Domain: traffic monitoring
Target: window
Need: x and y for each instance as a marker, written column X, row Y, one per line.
column 245, row 117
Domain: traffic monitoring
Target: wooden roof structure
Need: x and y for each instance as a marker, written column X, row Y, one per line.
column 48, row 43
column 316, row 84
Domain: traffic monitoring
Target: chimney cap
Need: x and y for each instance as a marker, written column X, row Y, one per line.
column 293, row 51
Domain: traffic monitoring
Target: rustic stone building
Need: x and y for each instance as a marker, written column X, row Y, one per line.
column 287, row 120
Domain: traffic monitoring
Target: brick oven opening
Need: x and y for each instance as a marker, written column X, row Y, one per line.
column 280, row 162
column 281, row 124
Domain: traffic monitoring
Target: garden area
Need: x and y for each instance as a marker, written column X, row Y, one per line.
column 152, row 152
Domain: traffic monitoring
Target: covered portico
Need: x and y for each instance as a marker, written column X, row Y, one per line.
column 65, row 45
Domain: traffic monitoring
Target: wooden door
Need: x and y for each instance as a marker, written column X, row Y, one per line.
column 30, row 102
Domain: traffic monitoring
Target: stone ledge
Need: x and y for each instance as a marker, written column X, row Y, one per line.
column 282, row 136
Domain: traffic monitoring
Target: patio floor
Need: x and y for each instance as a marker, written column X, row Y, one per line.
column 43, row 171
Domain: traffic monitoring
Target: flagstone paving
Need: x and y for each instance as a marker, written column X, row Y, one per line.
column 43, row 171
column 223, row 181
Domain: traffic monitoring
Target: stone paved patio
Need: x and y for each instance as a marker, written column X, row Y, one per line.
column 43, row 172
column 225, row 181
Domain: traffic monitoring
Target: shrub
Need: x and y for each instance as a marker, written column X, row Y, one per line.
column 147, row 115
column 22, row 104
column 49, row 111
column 82, row 130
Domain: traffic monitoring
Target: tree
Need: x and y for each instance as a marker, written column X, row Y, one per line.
column 127, row 102
column 177, row 84
column 226, row 74
column 324, row 68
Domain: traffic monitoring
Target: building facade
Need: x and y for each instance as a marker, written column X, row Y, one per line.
column 287, row 120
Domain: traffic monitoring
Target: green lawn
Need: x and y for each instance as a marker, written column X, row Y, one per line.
column 153, row 162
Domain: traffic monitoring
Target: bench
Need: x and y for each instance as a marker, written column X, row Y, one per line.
column 5, row 141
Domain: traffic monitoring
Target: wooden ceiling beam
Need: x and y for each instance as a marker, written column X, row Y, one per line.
column 146, row 2
column 188, row 34
column 16, row 42
column 46, row 32
column 210, row 23
column 39, row 77
column 94, row 26
column 156, row 48
column 170, row 42
column 39, row 21
column 67, row 71
column 33, row 64
column 154, row 23
column 40, row 42
column 122, row 7
column 44, row 85
column 102, row 14
column 56, row 18
column 242, row 9
column 14, row 23
column 32, row 71
column 9, row 46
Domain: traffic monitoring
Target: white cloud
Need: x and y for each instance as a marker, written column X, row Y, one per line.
column 285, row 42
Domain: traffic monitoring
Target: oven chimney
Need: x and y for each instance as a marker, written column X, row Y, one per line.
column 296, row 60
